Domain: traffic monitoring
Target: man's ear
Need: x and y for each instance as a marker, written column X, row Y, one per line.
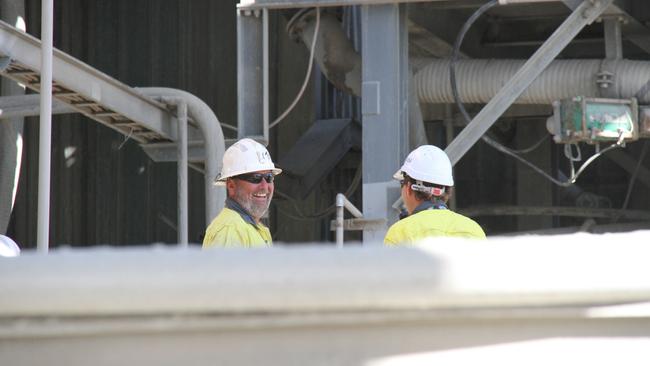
column 409, row 190
column 230, row 187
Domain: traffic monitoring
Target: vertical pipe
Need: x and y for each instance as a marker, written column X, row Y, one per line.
column 339, row 219
column 45, row 132
column 613, row 38
column 250, row 114
column 181, row 112
column 449, row 134
column 265, row 73
column 384, row 105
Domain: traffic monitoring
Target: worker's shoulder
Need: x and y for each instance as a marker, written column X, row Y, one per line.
column 227, row 217
column 467, row 225
column 450, row 222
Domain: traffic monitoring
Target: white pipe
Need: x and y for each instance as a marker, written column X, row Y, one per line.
column 480, row 80
column 339, row 226
column 45, row 132
column 181, row 111
column 340, row 203
column 343, row 203
column 201, row 113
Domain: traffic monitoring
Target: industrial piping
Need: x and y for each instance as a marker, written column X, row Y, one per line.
column 480, row 80
column 213, row 140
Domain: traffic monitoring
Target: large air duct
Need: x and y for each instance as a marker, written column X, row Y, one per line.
column 479, row 80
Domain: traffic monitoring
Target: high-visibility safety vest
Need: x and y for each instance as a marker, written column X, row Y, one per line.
column 229, row 229
column 432, row 223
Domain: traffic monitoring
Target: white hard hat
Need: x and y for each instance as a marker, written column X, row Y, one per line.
column 8, row 247
column 245, row 156
column 429, row 164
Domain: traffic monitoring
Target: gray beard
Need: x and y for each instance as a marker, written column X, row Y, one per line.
column 256, row 210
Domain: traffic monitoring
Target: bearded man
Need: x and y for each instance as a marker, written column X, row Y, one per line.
column 248, row 174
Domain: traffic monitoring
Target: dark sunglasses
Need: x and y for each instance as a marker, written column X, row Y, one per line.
column 256, row 178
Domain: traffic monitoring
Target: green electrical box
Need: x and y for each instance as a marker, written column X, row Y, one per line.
column 594, row 120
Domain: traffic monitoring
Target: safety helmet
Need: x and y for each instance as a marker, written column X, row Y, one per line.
column 429, row 164
column 8, row 247
column 245, row 156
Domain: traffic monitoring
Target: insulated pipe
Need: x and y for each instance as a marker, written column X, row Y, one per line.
column 480, row 80
column 215, row 197
column 45, row 131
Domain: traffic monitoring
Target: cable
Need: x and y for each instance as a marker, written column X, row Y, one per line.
column 307, row 75
column 454, row 55
column 323, row 213
column 454, row 89
column 628, row 194
column 532, row 147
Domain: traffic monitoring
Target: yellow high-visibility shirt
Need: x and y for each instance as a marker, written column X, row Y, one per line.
column 432, row 223
column 229, row 229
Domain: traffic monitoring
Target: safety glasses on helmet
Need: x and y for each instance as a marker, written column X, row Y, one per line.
column 256, row 178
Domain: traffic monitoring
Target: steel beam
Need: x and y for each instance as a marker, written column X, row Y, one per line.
column 75, row 83
column 287, row 4
column 607, row 213
column 635, row 30
column 250, row 75
column 613, row 38
column 384, row 108
column 584, row 14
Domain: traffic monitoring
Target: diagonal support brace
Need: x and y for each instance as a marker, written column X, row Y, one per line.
column 583, row 15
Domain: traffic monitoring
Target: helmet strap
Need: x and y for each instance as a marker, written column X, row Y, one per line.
column 434, row 191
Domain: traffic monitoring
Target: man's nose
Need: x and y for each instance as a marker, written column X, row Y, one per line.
column 264, row 184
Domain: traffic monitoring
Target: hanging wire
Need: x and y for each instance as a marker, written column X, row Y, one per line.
column 307, row 75
column 323, row 213
column 628, row 194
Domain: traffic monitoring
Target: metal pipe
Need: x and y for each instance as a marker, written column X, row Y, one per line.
column 265, row 73
column 250, row 88
column 480, row 80
column 181, row 111
column 45, row 132
column 214, row 143
column 340, row 203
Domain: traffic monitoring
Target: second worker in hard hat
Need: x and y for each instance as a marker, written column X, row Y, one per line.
column 248, row 173
column 426, row 185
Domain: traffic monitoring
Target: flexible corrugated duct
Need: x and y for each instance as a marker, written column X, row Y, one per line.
column 480, row 80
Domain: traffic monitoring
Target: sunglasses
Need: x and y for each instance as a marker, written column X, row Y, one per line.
column 256, row 178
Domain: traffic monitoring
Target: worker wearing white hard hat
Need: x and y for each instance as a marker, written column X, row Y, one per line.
column 248, row 174
column 427, row 184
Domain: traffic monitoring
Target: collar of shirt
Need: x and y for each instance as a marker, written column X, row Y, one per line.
column 428, row 205
column 233, row 205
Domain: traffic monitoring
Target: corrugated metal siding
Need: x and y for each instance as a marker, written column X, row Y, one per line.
column 107, row 191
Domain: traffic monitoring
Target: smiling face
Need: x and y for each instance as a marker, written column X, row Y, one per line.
column 254, row 198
